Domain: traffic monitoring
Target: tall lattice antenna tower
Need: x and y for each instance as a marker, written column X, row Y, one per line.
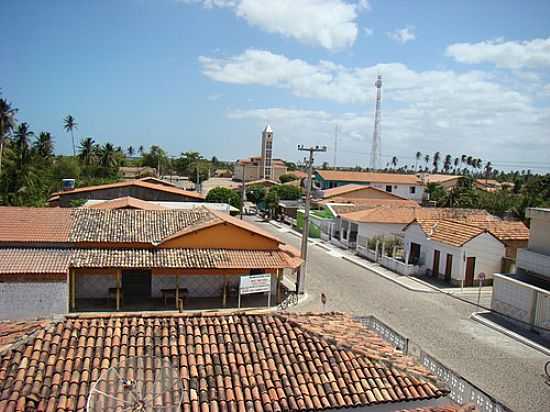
column 376, row 152
column 335, row 145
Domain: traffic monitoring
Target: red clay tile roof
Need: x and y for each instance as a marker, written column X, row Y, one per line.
column 225, row 362
column 357, row 205
column 404, row 215
column 183, row 258
column 138, row 183
column 35, row 225
column 11, row 332
column 34, row 260
column 449, row 232
column 341, row 190
column 127, row 202
column 506, row 230
column 369, row 177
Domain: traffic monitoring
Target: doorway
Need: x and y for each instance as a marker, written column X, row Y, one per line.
column 448, row 267
column 414, row 255
column 136, row 285
column 435, row 266
column 470, row 270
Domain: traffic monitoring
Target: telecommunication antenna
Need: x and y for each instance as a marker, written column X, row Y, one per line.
column 376, row 152
column 138, row 384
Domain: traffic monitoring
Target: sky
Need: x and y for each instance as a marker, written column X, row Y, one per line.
column 459, row 77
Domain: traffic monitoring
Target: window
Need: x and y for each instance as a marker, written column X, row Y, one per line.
column 388, row 188
column 412, row 190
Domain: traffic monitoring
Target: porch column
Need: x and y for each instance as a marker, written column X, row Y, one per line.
column 224, row 293
column 74, row 288
column 177, row 291
column 118, row 289
column 278, row 289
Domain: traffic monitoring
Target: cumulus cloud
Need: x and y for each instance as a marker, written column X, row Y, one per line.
column 330, row 24
column 430, row 110
column 504, row 54
column 403, row 35
column 368, row 31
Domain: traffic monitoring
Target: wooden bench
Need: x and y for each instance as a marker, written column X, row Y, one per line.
column 171, row 293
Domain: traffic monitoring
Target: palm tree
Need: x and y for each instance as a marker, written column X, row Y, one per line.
column 427, row 160
column 108, row 158
column 22, row 136
column 70, row 125
column 7, row 124
column 418, row 157
column 488, row 169
column 130, row 151
column 141, row 150
column 447, row 163
column 87, row 151
column 394, row 161
column 456, row 162
column 44, row 145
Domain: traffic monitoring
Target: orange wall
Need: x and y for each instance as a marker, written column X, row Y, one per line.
column 223, row 236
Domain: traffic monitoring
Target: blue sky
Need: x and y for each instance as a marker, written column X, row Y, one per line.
column 459, row 77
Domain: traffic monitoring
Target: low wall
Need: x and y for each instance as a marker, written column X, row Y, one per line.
column 398, row 266
column 367, row 253
column 29, row 300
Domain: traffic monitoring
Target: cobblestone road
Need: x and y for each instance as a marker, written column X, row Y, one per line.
column 506, row 369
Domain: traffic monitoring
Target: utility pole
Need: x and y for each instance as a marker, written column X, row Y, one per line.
column 305, row 234
column 243, row 193
column 198, row 184
column 335, row 146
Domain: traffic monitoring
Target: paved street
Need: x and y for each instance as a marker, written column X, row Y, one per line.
column 440, row 324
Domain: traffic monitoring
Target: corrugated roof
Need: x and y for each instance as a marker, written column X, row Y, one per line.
column 35, row 225
column 231, row 362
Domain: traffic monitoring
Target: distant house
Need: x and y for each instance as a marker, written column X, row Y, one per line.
column 223, row 173
column 251, row 169
column 59, row 260
column 408, row 186
column 140, row 189
column 353, row 192
column 135, row 172
column 138, row 204
column 524, row 295
column 459, row 251
column 492, row 185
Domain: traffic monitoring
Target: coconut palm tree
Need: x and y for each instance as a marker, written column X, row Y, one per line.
column 418, row 157
column 437, row 158
column 427, row 160
column 22, row 139
column 43, row 146
column 141, row 150
column 394, row 161
column 7, row 124
column 130, row 151
column 69, row 126
column 488, row 170
column 447, row 163
column 108, row 157
column 87, row 151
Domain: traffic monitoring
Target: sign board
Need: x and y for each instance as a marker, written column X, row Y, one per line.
column 255, row 283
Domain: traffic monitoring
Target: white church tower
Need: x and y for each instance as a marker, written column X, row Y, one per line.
column 266, row 169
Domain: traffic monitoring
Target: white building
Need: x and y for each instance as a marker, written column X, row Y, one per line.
column 525, row 295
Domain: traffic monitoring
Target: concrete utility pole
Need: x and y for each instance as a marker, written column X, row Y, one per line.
column 305, row 234
column 243, row 193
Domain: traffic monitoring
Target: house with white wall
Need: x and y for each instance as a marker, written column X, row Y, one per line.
column 454, row 251
column 525, row 294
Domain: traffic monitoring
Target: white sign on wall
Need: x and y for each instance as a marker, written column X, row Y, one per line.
column 255, row 283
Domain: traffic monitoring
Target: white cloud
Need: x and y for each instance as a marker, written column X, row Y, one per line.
column 363, row 5
column 368, row 32
column 430, row 110
column 326, row 23
column 403, row 35
column 510, row 55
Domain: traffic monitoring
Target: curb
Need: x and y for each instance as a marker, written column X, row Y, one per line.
column 377, row 272
column 476, row 317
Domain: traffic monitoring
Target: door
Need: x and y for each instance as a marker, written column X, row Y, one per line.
column 414, row 255
column 136, row 285
column 435, row 266
column 448, row 267
column 470, row 270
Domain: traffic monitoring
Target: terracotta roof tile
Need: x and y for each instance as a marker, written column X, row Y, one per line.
column 127, row 202
column 341, row 190
column 225, row 363
column 11, row 332
column 36, row 225
column 404, row 215
column 34, row 260
column 369, row 177
column 143, row 183
column 506, row 230
column 450, row 232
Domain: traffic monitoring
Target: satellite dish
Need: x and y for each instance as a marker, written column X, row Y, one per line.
column 138, row 384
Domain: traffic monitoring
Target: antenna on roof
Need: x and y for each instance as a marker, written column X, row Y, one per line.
column 138, row 384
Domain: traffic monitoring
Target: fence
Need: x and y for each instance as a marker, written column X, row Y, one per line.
column 462, row 391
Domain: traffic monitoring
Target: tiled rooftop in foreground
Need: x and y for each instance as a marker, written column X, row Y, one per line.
column 232, row 362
